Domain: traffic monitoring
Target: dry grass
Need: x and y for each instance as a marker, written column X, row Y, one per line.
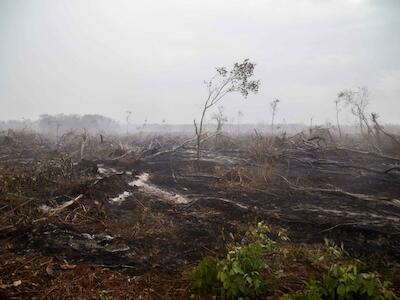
column 35, row 276
column 250, row 177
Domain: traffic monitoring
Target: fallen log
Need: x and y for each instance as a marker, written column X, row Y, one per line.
column 365, row 197
column 340, row 165
column 63, row 206
column 218, row 199
column 396, row 168
column 122, row 156
column 168, row 151
column 337, row 191
column 55, row 211
column 367, row 153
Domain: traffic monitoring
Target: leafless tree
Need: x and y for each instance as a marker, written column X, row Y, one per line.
column 337, row 101
column 380, row 129
column 223, row 83
column 128, row 115
column 358, row 102
column 220, row 118
column 164, row 124
column 239, row 117
column 274, row 108
column 85, row 139
column 144, row 123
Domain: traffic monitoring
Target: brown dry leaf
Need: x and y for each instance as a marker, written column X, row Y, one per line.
column 67, row 267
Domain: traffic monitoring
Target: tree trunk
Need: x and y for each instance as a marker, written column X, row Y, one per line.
column 337, row 120
column 199, row 132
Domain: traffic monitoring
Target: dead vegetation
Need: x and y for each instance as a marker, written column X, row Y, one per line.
column 78, row 219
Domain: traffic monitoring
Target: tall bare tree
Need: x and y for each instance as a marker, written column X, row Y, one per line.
column 223, row 83
column 239, row 117
column 379, row 128
column 337, row 101
column 274, row 107
column 358, row 102
column 221, row 119
column 128, row 115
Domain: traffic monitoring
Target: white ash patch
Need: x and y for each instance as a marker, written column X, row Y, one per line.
column 45, row 208
column 121, row 197
column 105, row 171
column 142, row 182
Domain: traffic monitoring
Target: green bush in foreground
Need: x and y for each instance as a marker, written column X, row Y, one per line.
column 344, row 282
column 240, row 274
column 204, row 277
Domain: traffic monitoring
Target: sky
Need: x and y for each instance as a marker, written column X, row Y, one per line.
column 152, row 57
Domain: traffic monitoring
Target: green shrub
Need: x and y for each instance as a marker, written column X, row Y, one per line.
column 259, row 234
column 204, row 277
column 241, row 272
column 344, row 282
column 334, row 250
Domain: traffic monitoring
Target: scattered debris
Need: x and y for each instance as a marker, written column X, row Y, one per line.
column 121, row 224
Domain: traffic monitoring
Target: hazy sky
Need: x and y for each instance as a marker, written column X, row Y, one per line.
column 151, row 57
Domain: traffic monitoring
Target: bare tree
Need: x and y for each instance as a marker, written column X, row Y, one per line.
column 239, row 116
column 358, row 102
column 379, row 128
column 274, row 108
column 220, row 118
column 128, row 115
column 59, row 125
column 337, row 101
column 144, row 123
column 223, row 83
column 85, row 140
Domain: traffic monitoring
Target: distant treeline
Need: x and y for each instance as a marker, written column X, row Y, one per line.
column 57, row 125
column 60, row 124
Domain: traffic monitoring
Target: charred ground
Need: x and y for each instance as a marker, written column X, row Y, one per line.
column 132, row 221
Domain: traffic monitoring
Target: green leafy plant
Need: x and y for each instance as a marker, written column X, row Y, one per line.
column 204, row 277
column 334, row 250
column 241, row 272
column 259, row 234
column 345, row 282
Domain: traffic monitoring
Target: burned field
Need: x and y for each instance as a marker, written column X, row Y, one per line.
column 133, row 221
